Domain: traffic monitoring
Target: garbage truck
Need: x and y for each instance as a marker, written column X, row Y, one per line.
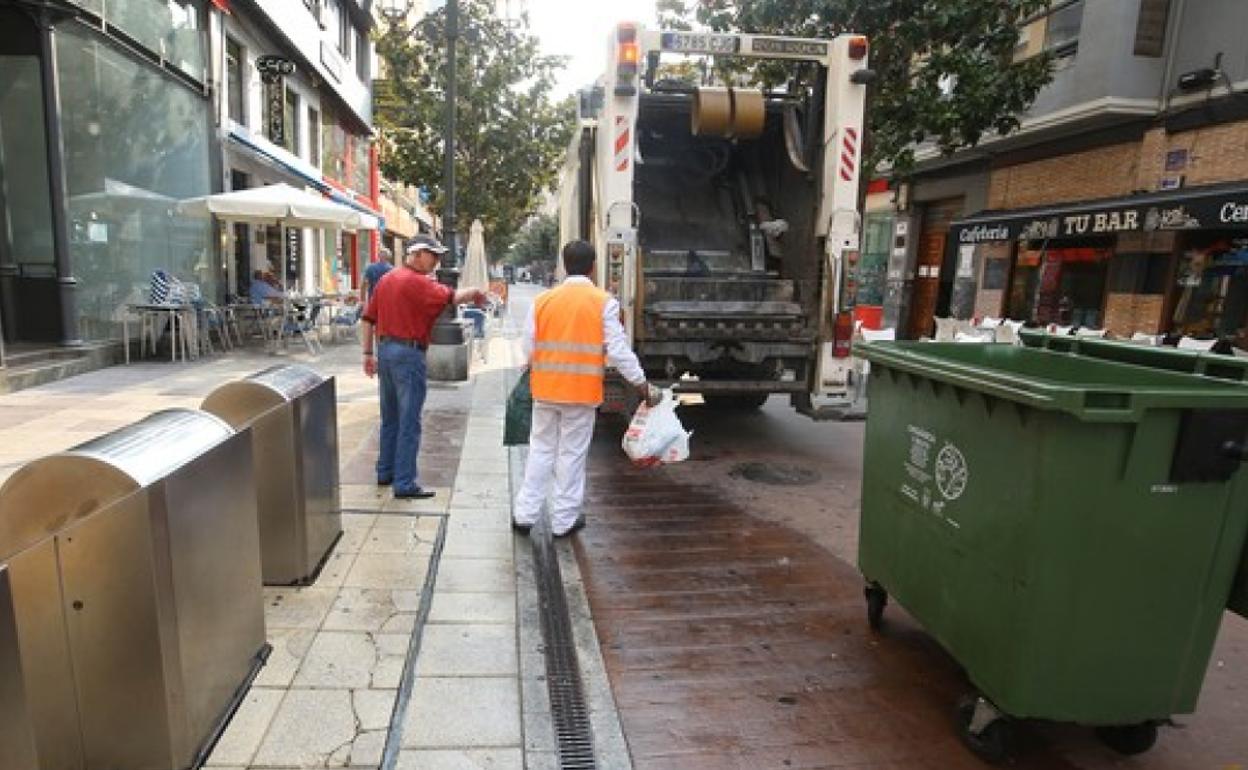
column 725, row 217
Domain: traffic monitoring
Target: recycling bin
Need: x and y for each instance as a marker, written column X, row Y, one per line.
column 1067, row 527
column 1169, row 359
column 131, row 614
column 291, row 411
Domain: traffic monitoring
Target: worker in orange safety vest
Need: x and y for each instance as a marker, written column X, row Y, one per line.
column 571, row 333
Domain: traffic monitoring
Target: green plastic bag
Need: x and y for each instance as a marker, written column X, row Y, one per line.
column 519, row 413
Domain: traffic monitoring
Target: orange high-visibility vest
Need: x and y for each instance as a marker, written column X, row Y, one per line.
column 568, row 352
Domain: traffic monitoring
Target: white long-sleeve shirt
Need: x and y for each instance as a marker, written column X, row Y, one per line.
column 615, row 339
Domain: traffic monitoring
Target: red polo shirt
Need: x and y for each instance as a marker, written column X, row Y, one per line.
column 406, row 304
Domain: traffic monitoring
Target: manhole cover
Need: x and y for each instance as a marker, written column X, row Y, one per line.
column 775, row 474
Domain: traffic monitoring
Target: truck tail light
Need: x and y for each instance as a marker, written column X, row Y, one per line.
column 627, row 59
column 857, row 47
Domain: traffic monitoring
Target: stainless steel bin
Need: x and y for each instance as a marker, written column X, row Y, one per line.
column 293, row 415
column 134, row 595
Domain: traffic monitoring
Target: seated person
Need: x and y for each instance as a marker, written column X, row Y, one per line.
column 262, row 292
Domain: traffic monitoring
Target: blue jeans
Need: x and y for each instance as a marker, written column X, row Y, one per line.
column 401, row 372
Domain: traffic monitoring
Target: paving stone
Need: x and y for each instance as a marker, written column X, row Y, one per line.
column 411, row 539
column 363, row 496
column 468, row 650
column 452, row 607
column 367, row 748
column 464, row 759
column 369, row 609
column 435, row 504
column 310, row 727
column 289, row 607
column 247, row 727
column 476, row 575
column 488, row 544
column 539, row 731
column 334, row 570
column 481, row 520
column 290, row 645
column 388, row 570
column 463, row 712
column 374, row 708
column 346, row 659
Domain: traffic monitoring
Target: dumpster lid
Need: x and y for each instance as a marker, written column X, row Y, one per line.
column 242, row 401
column 1171, row 359
column 1091, row 389
column 48, row 493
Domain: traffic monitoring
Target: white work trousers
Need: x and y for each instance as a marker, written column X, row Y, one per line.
column 558, row 445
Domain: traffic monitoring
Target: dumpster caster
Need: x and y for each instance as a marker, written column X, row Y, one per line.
column 877, row 599
column 984, row 730
column 1129, row 739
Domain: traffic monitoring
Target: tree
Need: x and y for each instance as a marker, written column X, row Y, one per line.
column 946, row 69
column 537, row 242
column 510, row 133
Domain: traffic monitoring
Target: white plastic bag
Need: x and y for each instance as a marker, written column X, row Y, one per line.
column 655, row 435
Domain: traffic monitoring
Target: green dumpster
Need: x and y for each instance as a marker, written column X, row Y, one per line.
column 1169, row 359
column 1067, row 526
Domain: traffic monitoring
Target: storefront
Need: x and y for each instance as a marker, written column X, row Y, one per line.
column 104, row 125
column 1168, row 262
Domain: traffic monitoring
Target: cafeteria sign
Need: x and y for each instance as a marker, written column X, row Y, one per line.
column 273, row 71
column 1156, row 212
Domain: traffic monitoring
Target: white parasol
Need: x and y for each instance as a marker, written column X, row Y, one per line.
column 476, row 270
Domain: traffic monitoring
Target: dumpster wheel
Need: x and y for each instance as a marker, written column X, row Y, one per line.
column 1128, row 739
column 877, row 600
column 984, row 730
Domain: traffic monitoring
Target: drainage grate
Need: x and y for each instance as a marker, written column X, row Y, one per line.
column 573, row 737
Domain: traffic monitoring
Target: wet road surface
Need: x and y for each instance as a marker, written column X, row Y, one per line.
column 732, row 620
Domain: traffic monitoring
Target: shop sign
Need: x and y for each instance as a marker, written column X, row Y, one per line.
column 275, row 111
column 273, row 68
column 1219, row 211
column 292, row 251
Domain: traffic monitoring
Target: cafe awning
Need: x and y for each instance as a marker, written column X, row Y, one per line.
column 1214, row 207
column 278, row 203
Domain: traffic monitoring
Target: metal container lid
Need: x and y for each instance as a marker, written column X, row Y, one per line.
column 241, row 401
column 49, row 493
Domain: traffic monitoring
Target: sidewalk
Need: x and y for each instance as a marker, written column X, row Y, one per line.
column 419, row 644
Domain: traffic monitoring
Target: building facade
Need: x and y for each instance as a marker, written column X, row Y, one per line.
column 295, row 106
column 105, row 122
column 1117, row 205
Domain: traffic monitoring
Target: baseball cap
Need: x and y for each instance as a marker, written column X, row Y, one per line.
column 425, row 243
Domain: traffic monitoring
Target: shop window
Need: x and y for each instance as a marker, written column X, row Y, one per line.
column 135, row 143
column 171, row 28
column 1150, row 28
column 235, row 75
column 1060, row 285
column 27, row 235
column 872, row 267
column 1211, row 288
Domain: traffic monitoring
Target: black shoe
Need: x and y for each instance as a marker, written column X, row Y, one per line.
column 415, row 494
column 522, row 529
column 384, row 482
column 577, row 525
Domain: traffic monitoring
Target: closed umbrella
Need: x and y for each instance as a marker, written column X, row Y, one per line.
column 476, row 270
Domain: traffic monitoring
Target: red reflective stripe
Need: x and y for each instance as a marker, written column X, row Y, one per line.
column 853, row 134
column 621, row 142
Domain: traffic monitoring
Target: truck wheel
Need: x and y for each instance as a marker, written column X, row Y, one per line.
column 735, row 403
column 1128, row 739
column 994, row 742
column 877, row 599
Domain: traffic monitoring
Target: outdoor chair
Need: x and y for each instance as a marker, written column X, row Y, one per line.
column 1143, row 338
column 346, row 321
column 301, row 321
column 1090, row 333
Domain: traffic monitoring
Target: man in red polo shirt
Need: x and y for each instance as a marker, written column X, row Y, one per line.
column 400, row 315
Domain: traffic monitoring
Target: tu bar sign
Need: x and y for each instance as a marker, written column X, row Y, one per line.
column 273, row 71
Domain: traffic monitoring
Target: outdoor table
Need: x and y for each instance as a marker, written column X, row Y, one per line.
column 183, row 328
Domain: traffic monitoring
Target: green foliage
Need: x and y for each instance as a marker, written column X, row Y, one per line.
column 510, row 134
column 537, row 242
column 946, row 67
